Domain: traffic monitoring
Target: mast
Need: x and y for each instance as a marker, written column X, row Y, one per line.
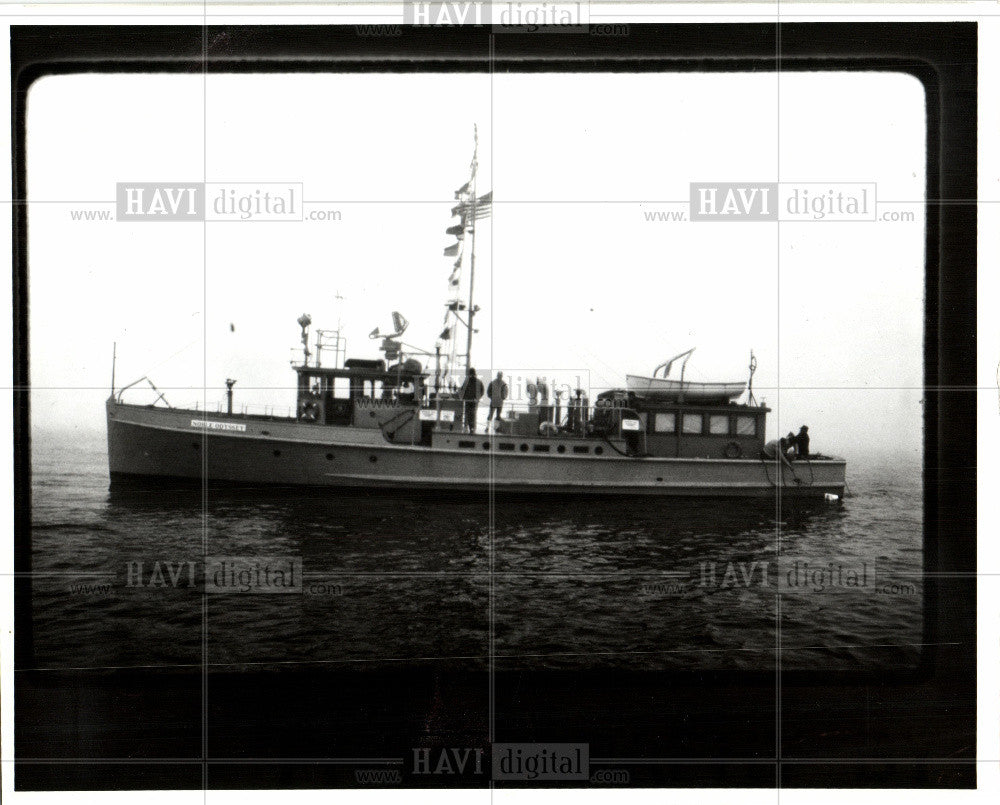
column 472, row 254
column 470, row 208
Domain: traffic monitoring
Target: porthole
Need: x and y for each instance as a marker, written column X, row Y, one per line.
column 373, row 459
column 195, row 445
column 561, row 448
column 486, row 445
column 659, row 479
column 524, row 448
column 329, row 456
column 598, row 451
column 277, row 453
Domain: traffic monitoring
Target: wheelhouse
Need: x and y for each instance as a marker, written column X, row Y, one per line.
column 346, row 396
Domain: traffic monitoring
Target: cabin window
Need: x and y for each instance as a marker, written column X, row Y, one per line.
column 581, row 449
column 718, row 424
column 372, row 389
column 540, row 448
column 746, row 426
column 694, row 423
column 505, row 446
column 466, row 444
column 665, row 423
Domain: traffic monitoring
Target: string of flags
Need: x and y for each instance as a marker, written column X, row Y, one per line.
column 470, row 208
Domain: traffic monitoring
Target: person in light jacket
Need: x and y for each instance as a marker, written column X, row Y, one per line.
column 497, row 392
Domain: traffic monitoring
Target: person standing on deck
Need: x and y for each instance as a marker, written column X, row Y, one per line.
column 497, row 392
column 802, row 442
column 470, row 393
column 544, row 411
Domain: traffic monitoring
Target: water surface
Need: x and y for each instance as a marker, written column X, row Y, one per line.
column 631, row 584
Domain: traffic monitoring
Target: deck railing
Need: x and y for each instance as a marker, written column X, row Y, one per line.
column 564, row 419
column 245, row 409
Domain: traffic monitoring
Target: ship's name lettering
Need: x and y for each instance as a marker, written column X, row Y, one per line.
column 202, row 423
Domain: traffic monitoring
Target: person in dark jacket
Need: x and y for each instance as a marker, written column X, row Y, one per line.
column 497, row 392
column 802, row 443
column 470, row 393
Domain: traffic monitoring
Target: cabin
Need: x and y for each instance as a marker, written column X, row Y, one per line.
column 369, row 394
column 702, row 430
column 673, row 428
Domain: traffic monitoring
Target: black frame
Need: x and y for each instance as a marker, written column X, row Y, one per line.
column 924, row 723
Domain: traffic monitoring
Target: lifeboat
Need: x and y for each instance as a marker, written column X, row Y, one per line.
column 662, row 388
column 666, row 390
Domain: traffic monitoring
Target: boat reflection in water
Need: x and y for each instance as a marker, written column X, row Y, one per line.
column 669, row 584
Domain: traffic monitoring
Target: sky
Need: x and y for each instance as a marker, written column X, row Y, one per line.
column 573, row 280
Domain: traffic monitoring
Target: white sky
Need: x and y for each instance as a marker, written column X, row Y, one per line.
column 569, row 274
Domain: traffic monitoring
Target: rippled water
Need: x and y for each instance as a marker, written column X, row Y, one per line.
column 644, row 584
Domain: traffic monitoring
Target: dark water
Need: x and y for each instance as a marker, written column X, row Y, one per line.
column 642, row 584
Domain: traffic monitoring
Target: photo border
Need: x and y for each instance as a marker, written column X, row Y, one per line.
column 943, row 57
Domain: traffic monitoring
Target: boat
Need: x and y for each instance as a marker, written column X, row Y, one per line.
column 665, row 388
column 396, row 424
column 675, row 390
